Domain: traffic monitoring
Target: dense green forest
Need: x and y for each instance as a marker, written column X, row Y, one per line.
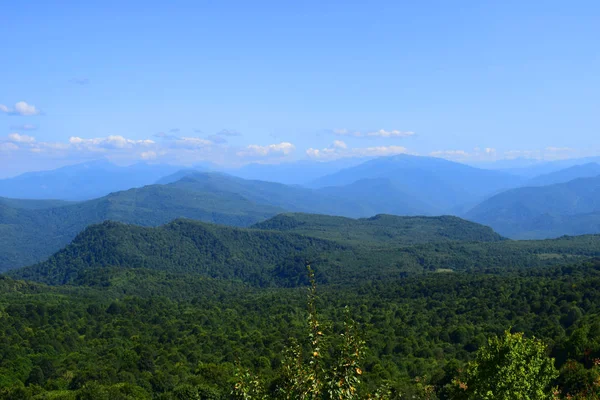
column 384, row 229
column 268, row 258
column 173, row 312
column 156, row 334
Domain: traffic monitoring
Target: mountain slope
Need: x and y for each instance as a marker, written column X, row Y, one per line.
column 383, row 229
column 27, row 236
column 182, row 246
column 33, row 204
column 570, row 208
column 291, row 198
column 294, row 173
column 82, row 181
column 441, row 183
column 588, row 170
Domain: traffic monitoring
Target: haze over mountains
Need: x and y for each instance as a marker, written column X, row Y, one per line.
column 549, row 205
column 82, row 181
column 570, row 208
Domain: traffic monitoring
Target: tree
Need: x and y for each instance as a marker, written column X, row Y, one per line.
column 306, row 375
column 509, row 367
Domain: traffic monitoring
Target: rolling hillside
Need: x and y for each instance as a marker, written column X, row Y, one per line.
column 30, row 235
column 182, row 246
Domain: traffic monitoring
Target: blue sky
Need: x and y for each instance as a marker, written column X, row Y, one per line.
column 272, row 81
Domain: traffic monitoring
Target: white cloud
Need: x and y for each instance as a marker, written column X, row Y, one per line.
column 380, row 151
column 254, row 150
column 20, row 108
column 381, row 133
column 339, row 149
column 148, row 155
column 16, row 138
column 450, row 153
column 388, row 134
column 338, row 144
column 190, row 143
column 109, row 142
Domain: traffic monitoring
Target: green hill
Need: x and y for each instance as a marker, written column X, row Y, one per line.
column 385, row 229
column 29, row 235
column 183, row 246
column 261, row 257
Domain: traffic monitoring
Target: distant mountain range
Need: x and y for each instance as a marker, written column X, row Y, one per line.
column 433, row 183
column 82, row 181
column 294, row 173
column 588, row 170
column 32, row 229
column 570, row 208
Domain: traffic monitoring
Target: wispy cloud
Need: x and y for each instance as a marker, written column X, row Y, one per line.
column 24, row 127
column 450, row 154
column 16, row 138
column 279, row 149
column 190, row 143
column 381, row 133
column 20, row 108
column 174, row 130
column 217, row 139
column 339, row 149
column 109, row 142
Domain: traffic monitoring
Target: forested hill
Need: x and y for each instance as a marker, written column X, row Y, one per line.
column 267, row 258
column 388, row 229
column 185, row 246
column 29, row 235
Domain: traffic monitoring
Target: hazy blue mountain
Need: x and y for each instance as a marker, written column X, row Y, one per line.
column 293, row 173
column 588, row 170
column 363, row 198
column 174, row 177
column 442, row 184
column 82, row 181
column 288, row 197
column 382, row 196
column 570, row 208
column 537, row 168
